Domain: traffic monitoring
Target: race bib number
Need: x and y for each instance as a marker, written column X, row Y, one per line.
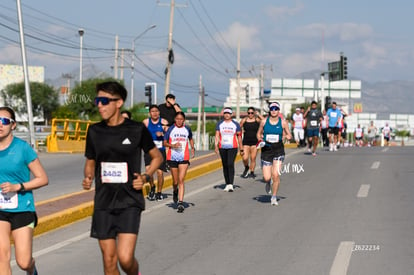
column 333, row 114
column 8, row 201
column 114, row 172
column 314, row 123
column 227, row 139
column 158, row 143
column 272, row 138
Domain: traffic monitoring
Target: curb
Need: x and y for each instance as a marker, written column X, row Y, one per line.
column 84, row 210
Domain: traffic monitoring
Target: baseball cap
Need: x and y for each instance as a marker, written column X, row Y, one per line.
column 297, row 109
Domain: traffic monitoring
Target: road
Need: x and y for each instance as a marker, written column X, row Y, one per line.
column 346, row 212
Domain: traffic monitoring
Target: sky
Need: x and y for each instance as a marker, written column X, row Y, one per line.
column 285, row 38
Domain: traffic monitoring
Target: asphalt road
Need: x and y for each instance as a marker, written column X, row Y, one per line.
column 346, row 212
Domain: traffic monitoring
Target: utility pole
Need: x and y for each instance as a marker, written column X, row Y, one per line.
column 238, row 83
column 116, row 57
column 26, row 76
column 170, row 57
column 199, row 114
column 262, row 69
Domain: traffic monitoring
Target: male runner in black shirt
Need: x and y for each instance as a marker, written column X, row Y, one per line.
column 113, row 159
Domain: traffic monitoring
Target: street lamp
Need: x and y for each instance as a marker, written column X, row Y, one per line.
column 133, row 61
column 81, row 32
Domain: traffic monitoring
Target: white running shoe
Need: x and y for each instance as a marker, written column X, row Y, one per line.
column 228, row 188
column 330, row 147
column 273, row 201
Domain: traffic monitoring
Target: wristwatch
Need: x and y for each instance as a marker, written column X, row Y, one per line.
column 147, row 177
column 22, row 189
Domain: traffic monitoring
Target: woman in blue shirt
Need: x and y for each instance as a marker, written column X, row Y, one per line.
column 17, row 209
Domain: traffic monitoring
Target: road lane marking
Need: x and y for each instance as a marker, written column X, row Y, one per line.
column 385, row 150
column 363, row 191
column 375, row 165
column 342, row 258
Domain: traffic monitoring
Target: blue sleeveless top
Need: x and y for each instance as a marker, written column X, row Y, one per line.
column 273, row 133
column 153, row 128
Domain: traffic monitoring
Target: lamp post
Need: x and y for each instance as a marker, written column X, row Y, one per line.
column 133, row 61
column 81, row 32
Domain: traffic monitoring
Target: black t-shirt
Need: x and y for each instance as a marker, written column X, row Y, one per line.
column 167, row 113
column 313, row 117
column 117, row 149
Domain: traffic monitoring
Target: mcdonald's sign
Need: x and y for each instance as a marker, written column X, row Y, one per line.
column 358, row 108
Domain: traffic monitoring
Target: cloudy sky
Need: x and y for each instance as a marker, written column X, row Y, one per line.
column 286, row 37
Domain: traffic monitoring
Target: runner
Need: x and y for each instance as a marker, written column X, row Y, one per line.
column 169, row 109
column 372, row 132
column 227, row 140
column 113, row 159
column 313, row 117
column 177, row 139
column 386, row 131
column 334, row 115
column 324, row 129
column 298, row 131
column 17, row 208
column 157, row 126
column 358, row 136
column 250, row 124
column 273, row 130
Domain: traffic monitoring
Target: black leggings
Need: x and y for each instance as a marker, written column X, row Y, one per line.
column 228, row 156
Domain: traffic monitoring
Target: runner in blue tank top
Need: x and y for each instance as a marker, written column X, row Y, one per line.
column 157, row 126
column 272, row 131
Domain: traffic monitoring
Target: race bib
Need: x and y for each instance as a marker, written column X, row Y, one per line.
column 333, row 114
column 314, row 123
column 158, row 143
column 227, row 139
column 272, row 138
column 114, row 172
column 8, row 201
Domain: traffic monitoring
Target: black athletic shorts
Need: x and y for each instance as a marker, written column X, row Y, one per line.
column 334, row 130
column 107, row 224
column 174, row 164
column 18, row 219
column 273, row 151
column 163, row 165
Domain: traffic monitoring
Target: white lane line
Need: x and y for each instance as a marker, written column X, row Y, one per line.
column 375, row 165
column 342, row 258
column 363, row 191
column 385, row 150
column 57, row 246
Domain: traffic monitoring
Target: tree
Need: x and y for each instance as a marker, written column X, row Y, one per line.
column 80, row 99
column 44, row 98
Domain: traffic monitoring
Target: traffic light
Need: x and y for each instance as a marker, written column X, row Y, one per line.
column 246, row 89
column 148, row 93
column 344, row 67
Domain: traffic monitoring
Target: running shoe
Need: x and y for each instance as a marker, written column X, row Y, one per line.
column 180, row 207
column 273, row 201
column 330, row 147
column 228, row 188
column 309, row 150
column 175, row 196
column 159, row 196
column 268, row 187
column 335, row 148
column 314, row 154
column 34, row 271
column 245, row 173
column 151, row 195
column 252, row 175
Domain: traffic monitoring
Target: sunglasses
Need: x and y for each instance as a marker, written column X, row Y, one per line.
column 250, row 113
column 274, row 109
column 6, row 120
column 104, row 100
